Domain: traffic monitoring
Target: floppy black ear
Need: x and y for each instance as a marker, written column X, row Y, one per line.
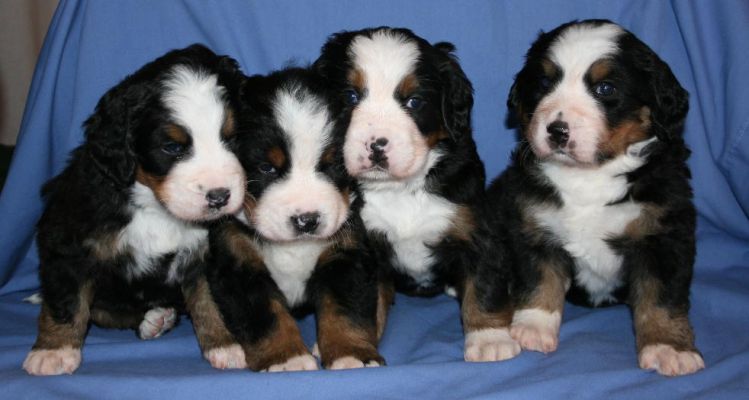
column 457, row 93
column 109, row 136
column 669, row 102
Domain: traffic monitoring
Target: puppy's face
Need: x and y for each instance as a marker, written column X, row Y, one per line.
column 589, row 91
column 182, row 147
column 298, row 188
column 392, row 85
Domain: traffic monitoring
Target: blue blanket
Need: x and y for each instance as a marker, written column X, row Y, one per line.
column 91, row 45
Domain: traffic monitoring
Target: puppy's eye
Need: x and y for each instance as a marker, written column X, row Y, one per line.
column 545, row 83
column 266, row 168
column 351, row 97
column 414, row 103
column 604, row 89
column 173, row 148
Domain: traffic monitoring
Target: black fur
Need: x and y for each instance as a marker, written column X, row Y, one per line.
column 90, row 199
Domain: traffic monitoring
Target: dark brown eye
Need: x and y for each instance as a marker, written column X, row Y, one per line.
column 266, row 168
column 414, row 103
column 173, row 148
column 604, row 89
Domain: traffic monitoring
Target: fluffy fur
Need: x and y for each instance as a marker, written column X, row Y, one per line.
column 121, row 224
column 299, row 244
column 406, row 108
column 597, row 197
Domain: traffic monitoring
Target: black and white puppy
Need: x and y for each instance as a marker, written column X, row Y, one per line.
column 597, row 197
column 120, row 224
column 406, row 106
column 300, row 243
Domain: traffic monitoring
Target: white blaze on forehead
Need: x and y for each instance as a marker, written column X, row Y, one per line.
column 580, row 46
column 194, row 100
column 385, row 58
column 306, row 122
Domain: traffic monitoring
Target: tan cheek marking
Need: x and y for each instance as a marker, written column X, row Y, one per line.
column 280, row 344
column 157, row 184
column 339, row 337
column 655, row 324
column 206, row 317
column 329, row 156
column 619, row 138
column 432, row 138
column 56, row 335
column 474, row 316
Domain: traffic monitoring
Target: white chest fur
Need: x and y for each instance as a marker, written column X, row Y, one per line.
column 153, row 232
column 587, row 219
column 412, row 220
column 291, row 264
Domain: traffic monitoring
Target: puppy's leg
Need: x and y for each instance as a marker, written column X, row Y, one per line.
column 536, row 322
column 62, row 328
column 250, row 305
column 665, row 341
column 351, row 307
column 486, row 323
column 218, row 345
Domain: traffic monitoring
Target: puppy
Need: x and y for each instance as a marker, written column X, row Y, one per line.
column 298, row 245
column 120, row 223
column 597, row 196
column 406, row 106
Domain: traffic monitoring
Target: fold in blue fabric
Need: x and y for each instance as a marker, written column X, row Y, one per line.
column 92, row 45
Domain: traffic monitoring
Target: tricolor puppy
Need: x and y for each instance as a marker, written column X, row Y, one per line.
column 300, row 243
column 598, row 197
column 406, row 106
column 121, row 221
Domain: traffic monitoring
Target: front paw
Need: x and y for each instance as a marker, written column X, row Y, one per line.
column 668, row 361
column 490, row 345
column 52, row 362
column 536, row 330
column 351, row 362
column 227, row 357
column 304, row 362
column 156, row 322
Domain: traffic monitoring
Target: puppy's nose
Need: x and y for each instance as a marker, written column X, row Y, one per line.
column 218, row 198
column 377, row 156
column 306, row 222
column 379, row 145
column 559, row 132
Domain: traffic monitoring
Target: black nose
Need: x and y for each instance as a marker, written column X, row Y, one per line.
column 306, row 223
column 559, row 132
column 378, row 145
column 218, row 198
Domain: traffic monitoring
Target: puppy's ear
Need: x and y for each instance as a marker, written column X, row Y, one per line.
column 109, row 136
column 668, row 100
column 457, row 93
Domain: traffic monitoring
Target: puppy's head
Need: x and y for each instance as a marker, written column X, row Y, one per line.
column 297, row 185
column 170, row 127
column 590, row 90
column 401, row 97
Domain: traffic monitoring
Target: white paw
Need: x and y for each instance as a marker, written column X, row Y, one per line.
column 304, row 362
column 490, row 345
column 349, row 362
column 52, row 362
column 228, row 357
column 536, row 330
column 667, row 361
column 157, row 321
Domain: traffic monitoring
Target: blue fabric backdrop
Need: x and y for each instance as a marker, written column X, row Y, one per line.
column 91, row 45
